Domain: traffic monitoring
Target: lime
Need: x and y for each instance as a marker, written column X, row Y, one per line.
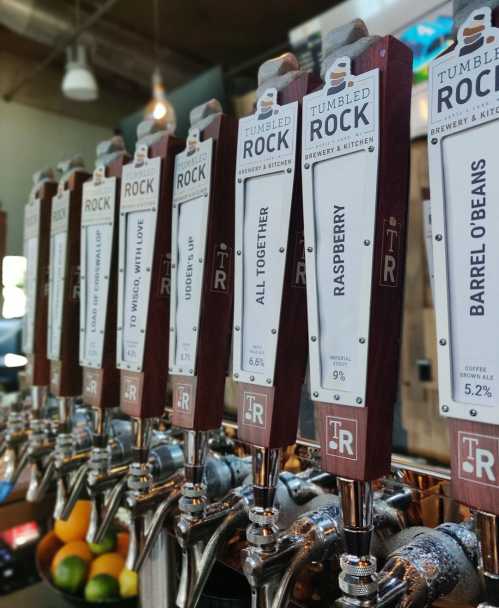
column 106, row 546
column 129, row 583
column 101, row 588
column 70, row 574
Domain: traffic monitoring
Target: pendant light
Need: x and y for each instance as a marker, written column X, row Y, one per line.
column 160, row 107
column 79, row 82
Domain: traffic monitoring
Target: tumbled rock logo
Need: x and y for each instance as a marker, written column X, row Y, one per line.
column 478, row 456
column 341, row 437
column 254, row 409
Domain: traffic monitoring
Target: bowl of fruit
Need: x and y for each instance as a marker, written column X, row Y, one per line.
column 86, row 573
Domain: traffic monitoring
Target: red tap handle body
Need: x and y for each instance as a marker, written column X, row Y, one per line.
column 38, row 366
column 198, row 400
column 143, row 393
column 101, row 386
column 370, row 426
column 474, row 446
column 280, row 402
column 65, row 371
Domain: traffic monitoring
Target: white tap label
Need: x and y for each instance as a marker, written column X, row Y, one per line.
column 59, row 225
column 140, row 189
column 31, row 245
column 97, row 226
column 265, row 166
column 340, row 169
column 264, row 209
column 191, row 199
column 464, row 182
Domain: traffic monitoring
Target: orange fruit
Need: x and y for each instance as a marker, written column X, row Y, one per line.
column 75, row 527
column 78, row 548
column 107, row 563
column 122, row 539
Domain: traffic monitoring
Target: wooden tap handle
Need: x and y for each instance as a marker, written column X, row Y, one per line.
column 198, row 397
column 143, row 393
column 356, row 438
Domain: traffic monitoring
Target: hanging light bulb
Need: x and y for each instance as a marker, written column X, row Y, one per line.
column 79, row 82
column 161, row 109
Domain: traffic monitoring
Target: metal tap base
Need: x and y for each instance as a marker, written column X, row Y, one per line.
column 39, row 396
column 358, row 578
column 194, row 500
column 262, row 533
column 358, row 581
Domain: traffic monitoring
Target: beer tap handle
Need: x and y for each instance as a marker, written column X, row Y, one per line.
column 75, row 490
column 96, row 533
column 468, row 361
column 37, row 224
column 97, row 351
column 144, row 367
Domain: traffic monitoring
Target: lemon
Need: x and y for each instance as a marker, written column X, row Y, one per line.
column 106, row 546
column 129, row 583
column 101, row 588
column 70, row 574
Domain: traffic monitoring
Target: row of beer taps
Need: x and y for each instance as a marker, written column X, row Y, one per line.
column 188, row 492
column 421, row 564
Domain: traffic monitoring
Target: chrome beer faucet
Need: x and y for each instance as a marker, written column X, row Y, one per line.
column 295, row 495
column 15, row 451
column 108, row 461
column 201, row 522
column 67, row 458
column 148, row 488
column 57, row 452
column 137, row 487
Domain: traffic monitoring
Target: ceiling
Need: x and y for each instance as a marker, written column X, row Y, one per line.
column 194, row 35
column 226, row 32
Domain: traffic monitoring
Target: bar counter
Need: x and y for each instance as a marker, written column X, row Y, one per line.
column 38, row 595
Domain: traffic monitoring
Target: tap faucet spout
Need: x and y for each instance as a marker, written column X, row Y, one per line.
column 75, row 491
column 236, row 518
column 40, row 491
column 96, row 532
column 136, row 561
